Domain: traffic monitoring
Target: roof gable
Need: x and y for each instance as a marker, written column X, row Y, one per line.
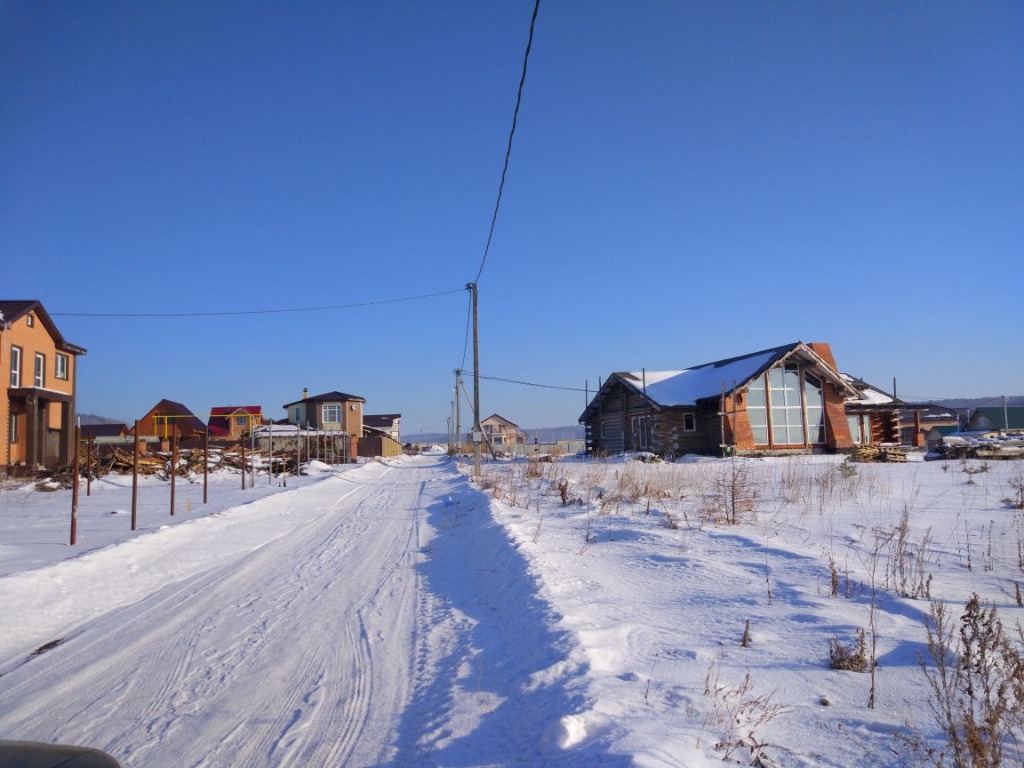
column 228, row 410
column 13, row 311
column 170, row 408
column 999, row 416
column 329, row 397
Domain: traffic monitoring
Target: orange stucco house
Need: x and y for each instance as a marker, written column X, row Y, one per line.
column 37, row 412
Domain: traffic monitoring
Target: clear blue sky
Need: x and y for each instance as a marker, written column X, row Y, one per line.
column 688, row 182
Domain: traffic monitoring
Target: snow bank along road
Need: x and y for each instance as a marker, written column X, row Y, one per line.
column 377, row 617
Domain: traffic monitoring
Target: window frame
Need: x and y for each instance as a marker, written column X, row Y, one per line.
column 689, row 422
column 18, row 352
column 39, row 370
column 60, row 367
column 779, row 405
column 334, row 408
column 12, row 429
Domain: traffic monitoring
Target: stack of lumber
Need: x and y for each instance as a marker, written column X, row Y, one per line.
column 190, row 462
column 878, row 453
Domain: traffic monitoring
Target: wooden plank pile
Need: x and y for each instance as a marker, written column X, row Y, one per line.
column 869, row 454
column 190, row 463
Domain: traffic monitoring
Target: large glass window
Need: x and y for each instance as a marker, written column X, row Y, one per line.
column 331, row 413
column 791, row 407
column 786, row 411
column 15, row 367
column 815, row 402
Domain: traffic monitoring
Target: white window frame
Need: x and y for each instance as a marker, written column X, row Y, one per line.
column 39, row 377
column 16, row 359
column 334, row 408
column 60, row 368
column 30, row 321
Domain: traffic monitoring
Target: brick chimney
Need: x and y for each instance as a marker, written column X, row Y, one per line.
column 305, row 393
column 824, row 351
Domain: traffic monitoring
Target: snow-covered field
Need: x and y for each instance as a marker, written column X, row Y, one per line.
column 563, row 613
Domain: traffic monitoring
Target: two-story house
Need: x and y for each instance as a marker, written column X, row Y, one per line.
column 329, row 412
column 501, row 431
column 37, row 412
column 232, row 422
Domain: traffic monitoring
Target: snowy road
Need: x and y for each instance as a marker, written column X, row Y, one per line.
column 373, row 618
column 294, row 653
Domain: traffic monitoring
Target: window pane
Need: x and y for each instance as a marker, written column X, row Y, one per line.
column 755, row 394
column 760, row 435
column 854, row 422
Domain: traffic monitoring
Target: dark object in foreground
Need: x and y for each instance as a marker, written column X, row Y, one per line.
column 31, row 754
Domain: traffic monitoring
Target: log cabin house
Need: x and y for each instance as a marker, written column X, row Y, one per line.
column 784, row 400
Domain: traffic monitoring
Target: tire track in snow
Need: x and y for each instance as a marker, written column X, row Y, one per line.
column 220, row 654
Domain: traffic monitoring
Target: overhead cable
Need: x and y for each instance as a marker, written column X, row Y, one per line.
column 528, row 383
column 508, row 150
column 257, row 311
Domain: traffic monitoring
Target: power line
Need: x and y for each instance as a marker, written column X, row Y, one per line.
column 469, row 324
column 508, row 150
column 528, row 383
column 257, row 311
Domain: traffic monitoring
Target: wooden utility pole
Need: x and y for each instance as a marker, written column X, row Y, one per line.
column 174, row 468
column 74, row 487
column 458, row 410
column 88, row 467
column 135, row 476
column 477, row 429
column 206, row 465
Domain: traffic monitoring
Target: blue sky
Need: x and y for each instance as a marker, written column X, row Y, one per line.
column 688, row 182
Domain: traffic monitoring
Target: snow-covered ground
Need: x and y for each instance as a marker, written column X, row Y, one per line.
column 563, row 613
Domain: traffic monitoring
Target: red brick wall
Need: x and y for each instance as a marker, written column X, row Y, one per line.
column 824, row 350
column 837, row 429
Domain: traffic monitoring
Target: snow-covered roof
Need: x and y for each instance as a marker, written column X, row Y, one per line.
column 703, row 382
column 686, row 387
column 869, row 395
